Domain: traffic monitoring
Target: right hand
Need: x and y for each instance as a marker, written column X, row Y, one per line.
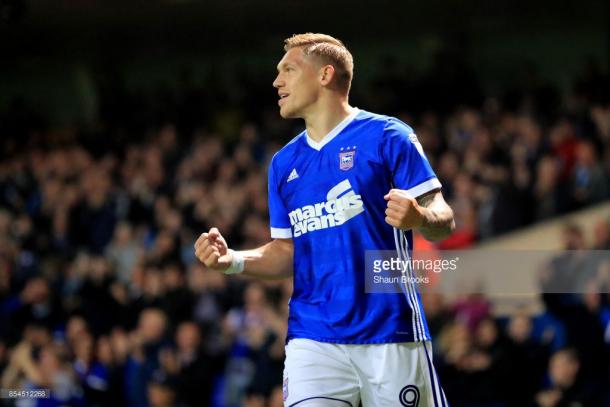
column 212, row 250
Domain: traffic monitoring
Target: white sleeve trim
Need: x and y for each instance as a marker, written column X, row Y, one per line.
column 281, row 233
column 426, row 186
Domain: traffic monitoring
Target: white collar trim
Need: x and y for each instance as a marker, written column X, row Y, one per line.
column 317, row 145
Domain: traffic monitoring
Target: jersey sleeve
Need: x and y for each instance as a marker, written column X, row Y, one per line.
column 406, row 161
column 278, row 215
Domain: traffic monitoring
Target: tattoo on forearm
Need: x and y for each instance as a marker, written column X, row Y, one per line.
column 426, row 200
column 439, row 222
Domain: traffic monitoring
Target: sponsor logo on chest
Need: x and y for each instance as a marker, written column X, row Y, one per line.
column 341, row 205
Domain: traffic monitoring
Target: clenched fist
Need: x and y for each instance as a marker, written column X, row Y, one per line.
column 212, row 250
column 403, row 211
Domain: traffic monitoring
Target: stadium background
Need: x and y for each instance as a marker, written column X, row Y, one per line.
column 128, row 128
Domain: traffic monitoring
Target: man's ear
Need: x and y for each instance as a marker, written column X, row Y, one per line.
column 327, row 73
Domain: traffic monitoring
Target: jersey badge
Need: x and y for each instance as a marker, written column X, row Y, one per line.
column 346, row 158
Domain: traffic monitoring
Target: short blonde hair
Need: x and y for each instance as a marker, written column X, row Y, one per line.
column 330, row 51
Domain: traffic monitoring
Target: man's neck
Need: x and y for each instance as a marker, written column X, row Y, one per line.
column 328, row 116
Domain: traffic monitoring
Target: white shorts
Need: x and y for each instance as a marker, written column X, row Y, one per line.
column 392, row 375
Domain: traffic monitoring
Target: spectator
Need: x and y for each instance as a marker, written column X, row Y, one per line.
column 91, row 373
column 193, row 368
column 162, row 391
column 124, row 252
column 142, row 361
column 527, row 360
column 566, row 386
column 589, row 181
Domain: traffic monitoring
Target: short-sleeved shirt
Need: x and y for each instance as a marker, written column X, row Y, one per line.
column 328, row 196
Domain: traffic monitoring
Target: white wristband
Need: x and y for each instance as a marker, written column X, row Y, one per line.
column 237, row 264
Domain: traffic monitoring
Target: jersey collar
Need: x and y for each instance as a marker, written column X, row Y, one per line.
column 317, row 145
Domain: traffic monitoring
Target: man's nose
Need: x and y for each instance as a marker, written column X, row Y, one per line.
column 277, row 83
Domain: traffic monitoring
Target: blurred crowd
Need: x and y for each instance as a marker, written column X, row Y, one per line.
column 103, row 302
column 557, row 357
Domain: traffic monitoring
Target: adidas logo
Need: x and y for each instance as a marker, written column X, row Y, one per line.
column 293, row 175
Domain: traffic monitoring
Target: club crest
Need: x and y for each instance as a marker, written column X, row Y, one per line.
column 346, row 160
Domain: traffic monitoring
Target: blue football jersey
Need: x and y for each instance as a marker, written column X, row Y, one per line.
column 328, row 196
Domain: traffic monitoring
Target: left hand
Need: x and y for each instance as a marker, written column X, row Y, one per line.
column 403, row 211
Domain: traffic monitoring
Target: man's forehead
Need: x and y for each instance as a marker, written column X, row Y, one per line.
column 292, row 56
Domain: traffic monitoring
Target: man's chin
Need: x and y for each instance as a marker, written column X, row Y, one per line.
column 288, row 114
